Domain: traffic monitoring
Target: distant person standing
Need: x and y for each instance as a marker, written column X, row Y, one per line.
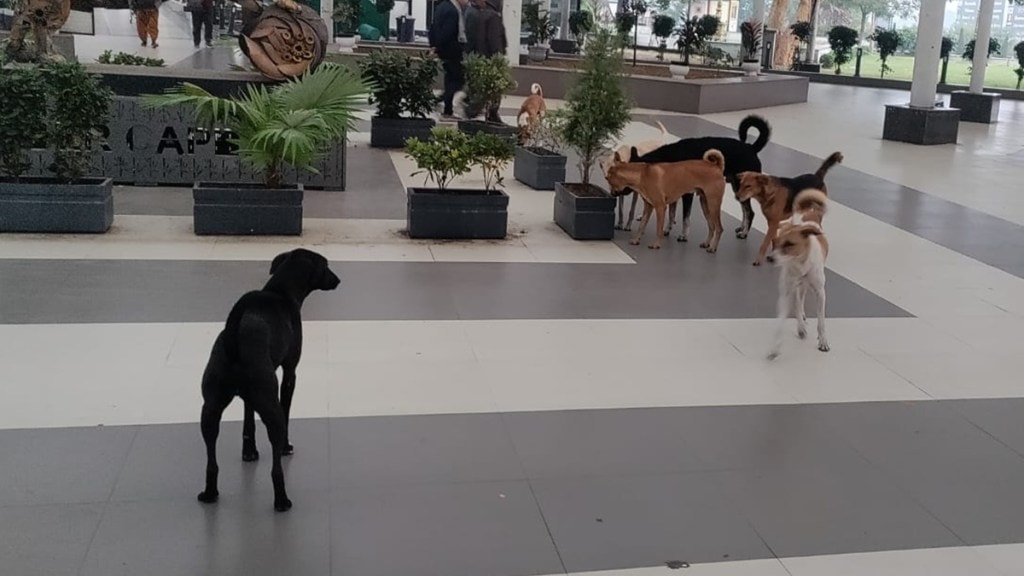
column 202, row 21
column 489, row 38
column 147, row 19
column 471, row 14
column 447, row 37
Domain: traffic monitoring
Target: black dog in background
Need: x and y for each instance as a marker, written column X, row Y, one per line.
column 263, row 332
column 739, row 157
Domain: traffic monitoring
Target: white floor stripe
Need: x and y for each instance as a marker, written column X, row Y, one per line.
column 83, row 375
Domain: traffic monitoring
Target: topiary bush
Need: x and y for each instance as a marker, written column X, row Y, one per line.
column 887, row 42
column 842, row 40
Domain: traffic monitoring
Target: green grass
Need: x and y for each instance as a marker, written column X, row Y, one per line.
column 999, row 74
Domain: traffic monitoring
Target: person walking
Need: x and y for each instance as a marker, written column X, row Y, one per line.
column 202, row 21
column 147, row 20
column 489, row 39
column 447, row 37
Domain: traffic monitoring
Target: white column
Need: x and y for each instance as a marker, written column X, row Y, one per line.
column 511, row 16
column 926, row 57
column 327, row 13
column 814, row 33
column 981, row 45
column 758, row 16
column 563, row 26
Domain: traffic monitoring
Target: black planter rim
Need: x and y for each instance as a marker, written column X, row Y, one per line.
column 52, row 180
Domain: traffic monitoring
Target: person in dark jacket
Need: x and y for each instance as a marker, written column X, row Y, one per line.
column 489, row 39
column 447, row 36
column 202, row 21
column 471, row 14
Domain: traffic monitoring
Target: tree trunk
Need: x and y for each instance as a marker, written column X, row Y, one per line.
column 783, row 40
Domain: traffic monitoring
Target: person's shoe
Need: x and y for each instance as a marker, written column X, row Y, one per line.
column 449, row 118
column 143, row 43
column 209, row 44
column 196, row 45
column 155, row 45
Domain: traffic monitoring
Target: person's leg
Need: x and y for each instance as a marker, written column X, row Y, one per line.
column 451, row 73
column 140, row 25
column 208, row 23
column 197, row 24
column 154, row 25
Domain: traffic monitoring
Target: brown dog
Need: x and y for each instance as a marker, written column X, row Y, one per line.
column 664, row 183
column 532, row 109
column 776, row 195
column 623, row 154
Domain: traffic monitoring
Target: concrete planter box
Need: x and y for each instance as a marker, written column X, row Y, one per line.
column 538, row 168
column 473, row 126
column 49, row 205
column 457, row 214
column 242, row 209
column 584, row 211
column 393, row 132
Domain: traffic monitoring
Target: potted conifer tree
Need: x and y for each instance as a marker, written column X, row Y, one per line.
column 402, row 88
column 596, row 112
column 292, row 123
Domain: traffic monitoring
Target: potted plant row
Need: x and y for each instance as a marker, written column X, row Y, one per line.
column 539, row 162
column 443, row 212
column 597, row 110
column 488, row 78
column 402, row 88
column 58, row 107
column 750, row 42
column 541, row 28
column 292, row 123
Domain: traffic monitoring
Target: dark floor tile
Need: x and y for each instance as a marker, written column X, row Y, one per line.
column 46, row 540
column 61, row 465
column 823, row 510
column 1003, row 418
column 182, row 537
column 464, row 529
column 389, row 451
column 601, row 442
column 630, row 521
column 169, row 462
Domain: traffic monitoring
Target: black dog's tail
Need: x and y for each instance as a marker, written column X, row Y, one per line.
column 764, row 131
column 832, row 160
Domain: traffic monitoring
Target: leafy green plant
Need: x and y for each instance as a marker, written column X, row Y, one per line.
column 693, row 35
column 597, row 107
column 946, row 48
column 887, row 42
column 1018, row 51
column 126, row 59
column 488, row 78
column 401, row 84
column 492, row 153
column 581, row 23
column 548, row 134
column 662, row 27
column 827, row 61
column 78, row 104
column 993, row 48
column 538, row 22
column 23, row 93
column 842, row 40
column 346, row 16
column 750, row 39
column 447, row 155
column 291, row 123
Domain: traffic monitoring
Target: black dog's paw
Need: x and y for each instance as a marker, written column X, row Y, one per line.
column 288, row 450
column 282, row 505
column 208, row 497
column 252, row 456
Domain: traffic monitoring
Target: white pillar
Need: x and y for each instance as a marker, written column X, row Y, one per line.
column 926, row 57
column 565, row 6
column 758, row 16
column 327, row 13
column 814, row 32
column 981, row 46
column 511, row 16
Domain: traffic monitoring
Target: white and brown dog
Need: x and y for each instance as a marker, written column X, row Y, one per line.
column 623, row 154
column 800, row 251
column 531, row 111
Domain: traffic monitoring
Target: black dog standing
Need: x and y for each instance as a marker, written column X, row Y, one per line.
column 263, row 332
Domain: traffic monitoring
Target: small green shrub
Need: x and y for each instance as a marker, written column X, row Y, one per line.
column 451, row 153
column 126, row 59
column 399, row 83
column 488, row 78
column 548, row 133
column 492, row 153
column 78, row 104
column 23, row 121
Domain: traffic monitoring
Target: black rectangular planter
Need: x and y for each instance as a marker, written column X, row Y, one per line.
column 393, row 132
column 457, row 214
column 241, row 209
column 48, row 205
column 563, row 46
column 586, row 216
column 538, row 168
column 498, row 129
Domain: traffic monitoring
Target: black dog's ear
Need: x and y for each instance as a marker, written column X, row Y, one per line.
column 278, row 260
column 633, row 154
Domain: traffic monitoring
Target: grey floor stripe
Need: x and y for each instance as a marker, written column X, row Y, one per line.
column 451, row 494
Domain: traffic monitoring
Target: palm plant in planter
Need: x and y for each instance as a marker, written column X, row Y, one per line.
column 538, row 22
column 289, row 124
column 488, row 78
column 403, row 91
column 456, row 213
column 539, row 162
column 58, row 105
column 750, row 41
column 596, row 112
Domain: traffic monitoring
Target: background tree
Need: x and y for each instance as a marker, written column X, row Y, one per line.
column 1018, row 51
column 842, row 41
column 887, row 42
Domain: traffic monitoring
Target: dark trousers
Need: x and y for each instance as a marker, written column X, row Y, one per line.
column 200, row 20
column 454, row 78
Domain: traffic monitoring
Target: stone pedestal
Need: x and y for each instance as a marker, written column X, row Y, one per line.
column 982, row 108
column 927, row 126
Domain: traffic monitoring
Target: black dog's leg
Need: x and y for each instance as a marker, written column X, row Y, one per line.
column 249, row 451
column 272, row 415
column 213, row 409
column 684, row 234
column 748, row 211
column 287, row 391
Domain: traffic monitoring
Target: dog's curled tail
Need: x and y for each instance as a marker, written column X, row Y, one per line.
column 764, row 131
column 536, row 89
column 716, row 158
column 810, row 199
column 832, row 160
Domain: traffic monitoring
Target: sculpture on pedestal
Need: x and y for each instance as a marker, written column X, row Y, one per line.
column 283, row 40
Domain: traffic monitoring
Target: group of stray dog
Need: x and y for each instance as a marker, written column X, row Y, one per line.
column 263, row 331
column 662, row 173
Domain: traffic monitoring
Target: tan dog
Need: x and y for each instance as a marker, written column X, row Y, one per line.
column 801, row 250
column 623, row 154
column 530, row 112
column 776, row 196
column 664, row 183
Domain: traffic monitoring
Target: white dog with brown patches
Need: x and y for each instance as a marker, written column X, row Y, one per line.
column 800, row 251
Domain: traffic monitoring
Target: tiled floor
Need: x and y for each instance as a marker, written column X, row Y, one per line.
column 538, row 406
